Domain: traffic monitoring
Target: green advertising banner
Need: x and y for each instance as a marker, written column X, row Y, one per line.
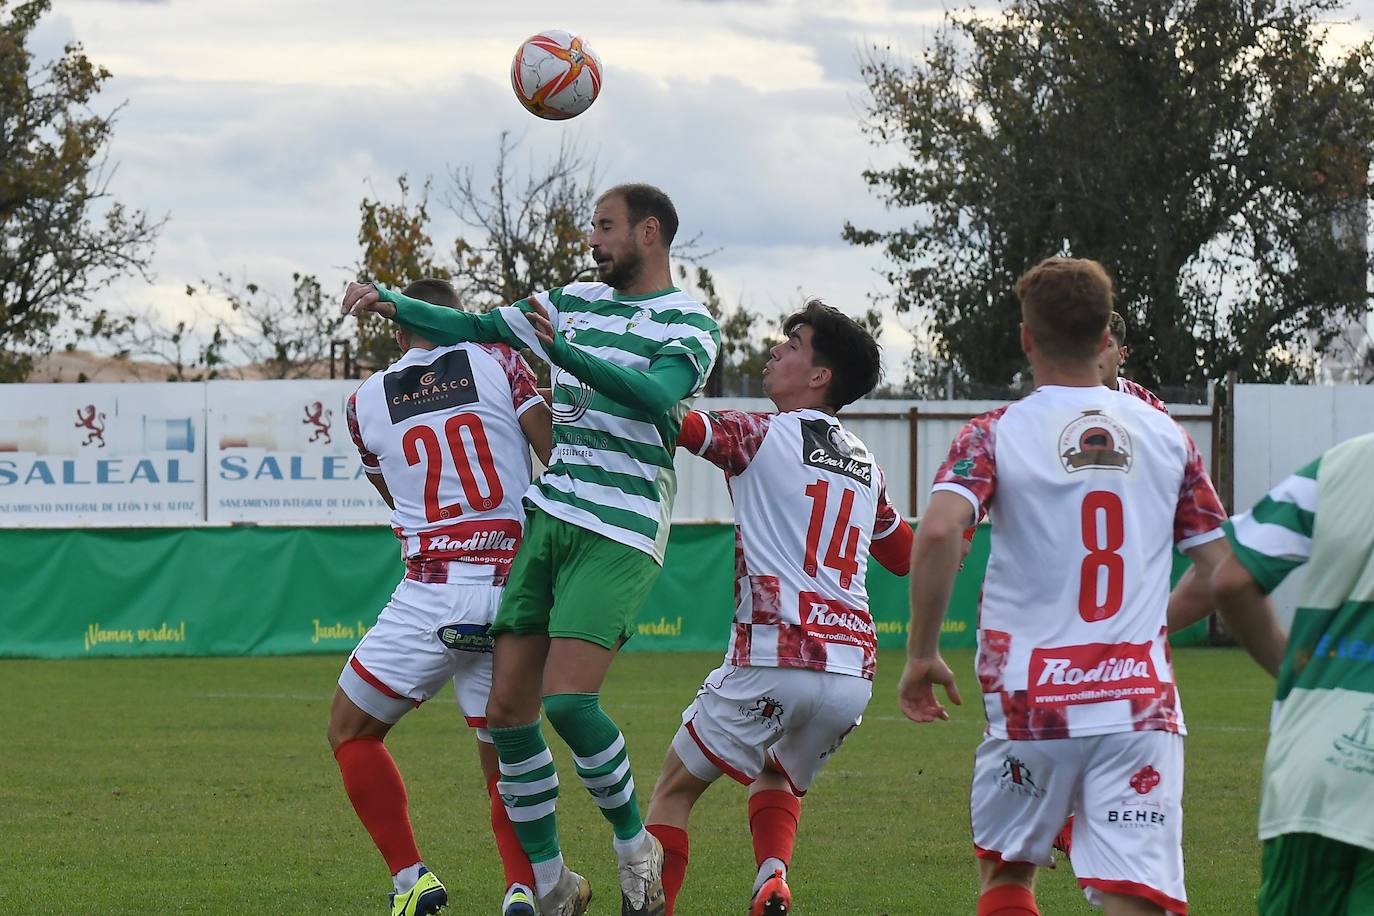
column 74, row 593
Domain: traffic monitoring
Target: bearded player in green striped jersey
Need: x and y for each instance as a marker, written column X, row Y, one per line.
column 628, row 355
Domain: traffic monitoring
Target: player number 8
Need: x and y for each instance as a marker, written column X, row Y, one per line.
column 1107, row 505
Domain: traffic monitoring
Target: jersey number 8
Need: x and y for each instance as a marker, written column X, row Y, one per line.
column 1102, row 556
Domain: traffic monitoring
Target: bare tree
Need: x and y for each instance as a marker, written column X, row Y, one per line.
column 530, row 225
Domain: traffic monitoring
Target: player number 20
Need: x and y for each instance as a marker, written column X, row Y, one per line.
column 1103, row 543
column 423, row 436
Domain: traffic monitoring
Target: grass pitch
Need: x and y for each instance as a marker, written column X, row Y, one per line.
column 206, row 785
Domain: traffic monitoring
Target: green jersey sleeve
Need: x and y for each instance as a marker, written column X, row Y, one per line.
column 1275, row 537
column 669, row 378
column 446, row 326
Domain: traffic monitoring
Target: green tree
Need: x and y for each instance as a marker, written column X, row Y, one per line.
column 738, row 371
column 1212, row 153
column 397, row 251
column 64, row 237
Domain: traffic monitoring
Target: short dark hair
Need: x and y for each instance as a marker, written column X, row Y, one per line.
column 1116, row 326
column 842, row 345
column 434, row 291
column 1067, row 303
column 645, row 200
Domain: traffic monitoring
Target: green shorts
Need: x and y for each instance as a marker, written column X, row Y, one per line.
column 1305, row 874
column 568, row 581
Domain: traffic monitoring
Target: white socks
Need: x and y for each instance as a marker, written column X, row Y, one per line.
column 546, row 875
column 628, row 850
column 405, row 878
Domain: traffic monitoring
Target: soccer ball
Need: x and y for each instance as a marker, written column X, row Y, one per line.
column 556, row 74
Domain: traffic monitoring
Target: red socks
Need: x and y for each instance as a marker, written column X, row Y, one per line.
column 1007, row 900
column 674, row 840
column 773, row 816
column 514, row 861
column 374, row 786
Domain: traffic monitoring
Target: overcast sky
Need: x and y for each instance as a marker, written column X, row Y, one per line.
column 257, row 126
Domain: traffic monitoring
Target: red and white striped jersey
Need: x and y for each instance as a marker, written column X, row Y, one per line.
column 1126, row 386
column 809, row 499
column 1088, row 490
column 442, row 427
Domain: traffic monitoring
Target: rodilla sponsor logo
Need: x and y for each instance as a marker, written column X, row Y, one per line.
column 484, row 540
column 1092, row 673
column 831, row 620
column 493, row 541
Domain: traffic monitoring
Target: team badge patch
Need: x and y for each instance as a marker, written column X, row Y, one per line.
column 1095, row 440
column 638, row 318
column 766, row 707
column 466, row 637
column 1016, row 778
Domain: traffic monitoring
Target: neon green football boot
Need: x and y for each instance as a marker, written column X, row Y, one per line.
column 425, row 898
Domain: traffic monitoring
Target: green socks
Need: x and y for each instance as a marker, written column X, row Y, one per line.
column 529, row 788
column 602, row 762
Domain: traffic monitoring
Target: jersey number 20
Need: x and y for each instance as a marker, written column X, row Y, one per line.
column 454, row 426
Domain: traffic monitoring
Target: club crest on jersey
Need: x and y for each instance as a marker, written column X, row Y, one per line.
column 831, row 448
column 766, row 707
column 1016, row 778
column 571, row 398
column 638, row 317
column 445, row 383
column 1095, row 440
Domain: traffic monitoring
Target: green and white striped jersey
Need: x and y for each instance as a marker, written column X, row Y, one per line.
column 1319, row 768
column 612, row 471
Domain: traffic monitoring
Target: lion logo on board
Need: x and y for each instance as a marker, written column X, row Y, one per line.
column 92, row 421
column 1095, row 440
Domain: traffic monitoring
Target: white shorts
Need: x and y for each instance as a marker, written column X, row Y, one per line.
column 1125, row 792
column 427, row 634
column 794, row 717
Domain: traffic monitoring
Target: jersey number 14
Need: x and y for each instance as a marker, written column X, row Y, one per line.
column 842, row 554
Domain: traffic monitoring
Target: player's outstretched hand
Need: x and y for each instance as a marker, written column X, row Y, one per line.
column 916, row 692
column 539, row 319
column 360, row 298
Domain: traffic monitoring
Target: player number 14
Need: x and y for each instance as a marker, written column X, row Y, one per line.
column 842, row 554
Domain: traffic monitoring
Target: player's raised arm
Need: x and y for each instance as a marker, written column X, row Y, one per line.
column 729, row 439
column 443, row 326
column 677, row 370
